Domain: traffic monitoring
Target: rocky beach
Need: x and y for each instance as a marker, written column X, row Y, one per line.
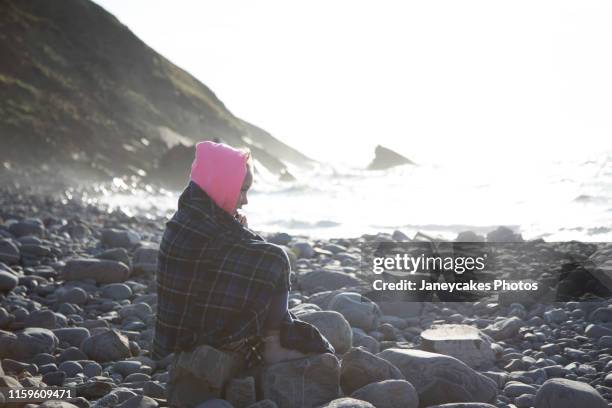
column 78, row 300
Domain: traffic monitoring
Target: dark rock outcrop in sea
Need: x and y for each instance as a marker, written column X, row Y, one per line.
column 385, row 158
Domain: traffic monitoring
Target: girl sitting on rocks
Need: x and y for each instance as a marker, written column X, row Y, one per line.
column 219, row 284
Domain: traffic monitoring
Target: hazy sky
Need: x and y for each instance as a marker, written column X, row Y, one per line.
column 465, row 81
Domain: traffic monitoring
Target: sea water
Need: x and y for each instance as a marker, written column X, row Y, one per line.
column 554, row 200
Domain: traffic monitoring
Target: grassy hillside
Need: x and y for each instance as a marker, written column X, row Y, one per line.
column 78, row 88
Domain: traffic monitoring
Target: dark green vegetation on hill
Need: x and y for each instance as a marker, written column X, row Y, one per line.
column 78, row 89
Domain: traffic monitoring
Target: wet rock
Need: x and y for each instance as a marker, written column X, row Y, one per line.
column 303, row 249
column 440, row 379
column 116, row 254
column 389, row 394
column 360, row 368
column 563, row 393
column 306, row 382
column 463, row 342
column 109, row 345
column 333, row 326
column 101, row 271
column 54, row 378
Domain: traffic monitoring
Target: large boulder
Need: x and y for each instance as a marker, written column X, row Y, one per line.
column 334, row 327
column 360, row 368
column 389, row 394
column 27, row 343
column 461, row 341
column 109, row 345
column 299, row 383
column 564, row 393
column 102, row 271
column 358, row 310
column 440, row 379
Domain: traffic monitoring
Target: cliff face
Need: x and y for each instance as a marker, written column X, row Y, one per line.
column 78, row 88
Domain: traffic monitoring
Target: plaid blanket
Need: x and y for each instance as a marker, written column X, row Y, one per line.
column 215, row 281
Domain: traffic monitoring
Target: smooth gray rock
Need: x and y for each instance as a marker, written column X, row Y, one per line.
column 75, row 295
column 116, row 238
column 145, row 260
column 441, row 379
column 109, row 345
column 116, row 291
column 306, row 382
column 389, row 394
column 57, row 404
column 334, row 327
column 504, row 329
column 73, row 336
column 42, row 318
column 27, row 343
column 360, row 368
column 8, row 281
column 357, row 310
column 564, row 393
column 101, row 271
column 9, row 252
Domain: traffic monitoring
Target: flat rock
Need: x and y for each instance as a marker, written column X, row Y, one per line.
column 441, row 379
column 101, row 271
column 360, row 368
column 461, row 341
column 334, row 327
column 306, row 382
column 116, row 238
column 564, row 393
column 389, row 394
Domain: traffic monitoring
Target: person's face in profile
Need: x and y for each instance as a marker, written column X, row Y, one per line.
column 246, row 185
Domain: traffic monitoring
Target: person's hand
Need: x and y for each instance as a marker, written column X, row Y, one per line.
column 242, row 220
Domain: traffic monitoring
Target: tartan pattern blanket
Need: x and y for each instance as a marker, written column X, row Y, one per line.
column 215, row 281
